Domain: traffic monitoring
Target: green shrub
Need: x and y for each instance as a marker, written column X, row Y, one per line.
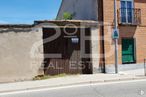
column 67, row 16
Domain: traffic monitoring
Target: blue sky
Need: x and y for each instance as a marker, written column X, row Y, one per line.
column 26, row 11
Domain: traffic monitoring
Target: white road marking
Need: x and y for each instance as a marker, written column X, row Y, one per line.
column 65, row 87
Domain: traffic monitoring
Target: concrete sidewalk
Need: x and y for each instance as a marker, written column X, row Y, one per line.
column 66, row 81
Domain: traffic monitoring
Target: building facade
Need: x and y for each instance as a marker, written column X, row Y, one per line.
column 85, row 42
column 132, row 27
column 81, row 10
column 47, row 48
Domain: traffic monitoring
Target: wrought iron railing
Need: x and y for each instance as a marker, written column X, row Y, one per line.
column 130, row 16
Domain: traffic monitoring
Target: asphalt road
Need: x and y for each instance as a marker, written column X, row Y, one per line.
column 117, row 89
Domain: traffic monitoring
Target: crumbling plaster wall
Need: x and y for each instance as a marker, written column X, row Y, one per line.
column 16, row 60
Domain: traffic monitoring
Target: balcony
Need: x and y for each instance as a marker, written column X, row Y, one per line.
column 131, row 16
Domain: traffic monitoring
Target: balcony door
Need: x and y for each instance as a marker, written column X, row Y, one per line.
column 127, row 7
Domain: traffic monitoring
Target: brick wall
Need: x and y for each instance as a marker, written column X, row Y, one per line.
column 136, row 32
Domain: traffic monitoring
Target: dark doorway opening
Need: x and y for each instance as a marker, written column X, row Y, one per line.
column 69, row 47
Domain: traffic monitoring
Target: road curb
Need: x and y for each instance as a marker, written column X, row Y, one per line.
column 77, row 83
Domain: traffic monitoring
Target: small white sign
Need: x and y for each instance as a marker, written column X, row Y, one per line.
column 75, row 40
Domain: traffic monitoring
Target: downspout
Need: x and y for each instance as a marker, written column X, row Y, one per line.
column 101, row 19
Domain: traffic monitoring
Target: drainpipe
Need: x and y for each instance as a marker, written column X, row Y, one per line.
column 101, row 19
column 116, row 39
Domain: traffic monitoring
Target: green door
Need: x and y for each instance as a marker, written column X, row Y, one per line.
column 128, row 52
